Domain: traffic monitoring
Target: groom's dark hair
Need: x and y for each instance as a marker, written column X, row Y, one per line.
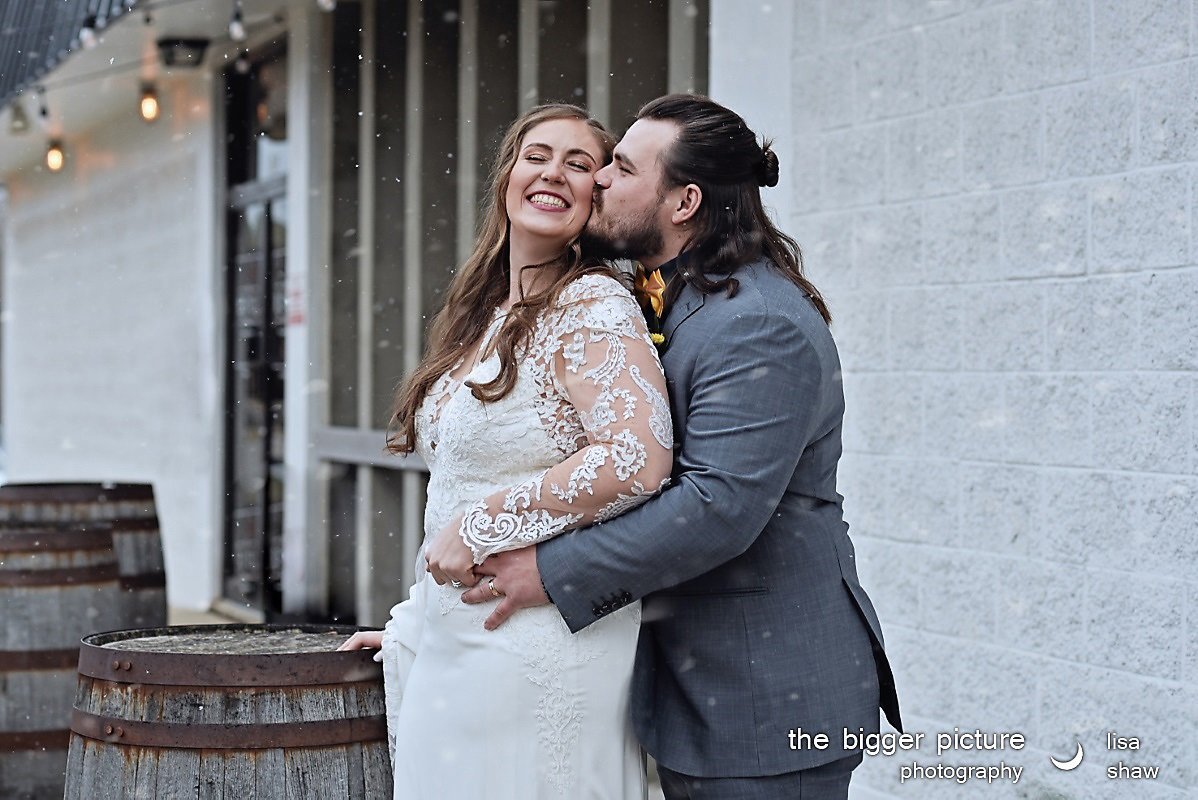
column 716, row 151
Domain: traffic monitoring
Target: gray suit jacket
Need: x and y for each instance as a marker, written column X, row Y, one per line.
column 754, row 620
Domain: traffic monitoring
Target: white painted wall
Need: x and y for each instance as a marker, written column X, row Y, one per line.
column 998, row 201
column 111, row 365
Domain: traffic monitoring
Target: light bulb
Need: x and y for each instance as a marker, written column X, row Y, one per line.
column 55, row 156
column 326, row 5
column 149, row 103
column 87, row 34
column 237, row 27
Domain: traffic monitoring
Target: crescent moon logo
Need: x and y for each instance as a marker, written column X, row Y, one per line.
column 1072, row 763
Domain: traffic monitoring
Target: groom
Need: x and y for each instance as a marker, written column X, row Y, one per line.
column 757, row 636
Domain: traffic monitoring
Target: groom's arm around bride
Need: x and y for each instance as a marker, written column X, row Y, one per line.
column 755, row 623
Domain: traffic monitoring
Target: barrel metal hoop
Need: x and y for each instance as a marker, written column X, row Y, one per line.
column 44, row 539
column 12, row 741
column 229, row 736
column 15, row 660
column 61, row 576
column 223, row 669
column 144, row 580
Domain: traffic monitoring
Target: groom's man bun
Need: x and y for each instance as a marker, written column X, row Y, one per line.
column 717, row 151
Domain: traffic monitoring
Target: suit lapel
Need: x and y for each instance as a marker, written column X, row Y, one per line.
column 687, row 303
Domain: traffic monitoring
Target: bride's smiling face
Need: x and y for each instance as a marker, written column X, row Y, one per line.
column 552, row 183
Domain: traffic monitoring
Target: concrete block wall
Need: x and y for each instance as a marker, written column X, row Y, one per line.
column 998, row 199
column 111, row 370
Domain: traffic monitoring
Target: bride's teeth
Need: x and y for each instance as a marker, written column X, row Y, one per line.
column 548, row 200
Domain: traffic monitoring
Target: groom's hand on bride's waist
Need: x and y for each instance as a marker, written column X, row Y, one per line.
column 512, row 578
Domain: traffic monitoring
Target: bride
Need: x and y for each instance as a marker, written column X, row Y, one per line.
column 539, row 407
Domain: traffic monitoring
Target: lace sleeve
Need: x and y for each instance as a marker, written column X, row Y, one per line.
column 605, row 365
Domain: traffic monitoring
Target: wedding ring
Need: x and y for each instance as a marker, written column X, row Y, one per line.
column 491, row 586
column 456, row 584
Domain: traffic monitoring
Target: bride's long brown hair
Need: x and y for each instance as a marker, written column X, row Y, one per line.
column 482, row 284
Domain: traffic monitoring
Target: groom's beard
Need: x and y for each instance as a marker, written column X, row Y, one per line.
column 636, row 237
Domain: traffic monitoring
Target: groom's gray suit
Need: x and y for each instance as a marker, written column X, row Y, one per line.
column 754, row 620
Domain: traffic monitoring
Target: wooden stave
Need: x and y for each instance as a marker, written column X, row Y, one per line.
column 359, row 769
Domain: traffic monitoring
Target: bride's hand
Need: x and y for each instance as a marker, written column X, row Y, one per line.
column 363, row 640
column 448, row 557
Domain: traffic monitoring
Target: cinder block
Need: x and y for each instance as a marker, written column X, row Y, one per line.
column 1140, row 221
column 1144, row 421
column 1090, row 128
column 919, row 660
column 1003, row 327
column 883, row 414
column 992, row 693
column 905, row 13
column 826, row 242
column 1164, row 516
column 958, row 597
column 889, row 76
column 861, row 480
column 1089, row 518
column 854, row 166
column 1095, row 324
column 924, row 502
column 965, row 415
column 1045, row 43
column 1134, row 623
column 1049, row 420
column 1170, row 312
column 850, row 21
column 808, row 26
column 823, row 88
column 887, row 245
column 1044, row 231
column 924, row 155
column 1168, row 111
column 961, row 239
column 1003, row 145
column 1000, row 508
column 801, row 177
column 964, row 59
column 1130, row 35
column 925, row 329
column 861, row 336
column 891, row 573
column 1041, row 608
column 1191, row 635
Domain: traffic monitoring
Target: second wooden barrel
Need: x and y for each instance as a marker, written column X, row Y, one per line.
column 129, row 508
column 227, row 711
column 56, row 585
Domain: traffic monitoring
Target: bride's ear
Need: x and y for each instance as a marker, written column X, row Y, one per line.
column 689, row 199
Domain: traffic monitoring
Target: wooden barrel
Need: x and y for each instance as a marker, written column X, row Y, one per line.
column 129, row 508
column 56, row 586
column 227, row 711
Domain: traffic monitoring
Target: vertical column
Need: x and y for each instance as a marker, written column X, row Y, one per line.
column 364, row 539
column 530, row 27
column 467, row 155
column 305, row 534
column 599, row 61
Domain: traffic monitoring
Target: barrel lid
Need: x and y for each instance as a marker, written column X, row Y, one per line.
column 227, row 655
column 74, row 492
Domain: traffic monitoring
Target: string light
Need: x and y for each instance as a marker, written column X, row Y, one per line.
column 87, row 34
column 149, row 102
column 242, row 64
column 327, row 5
column 18, row 122
column 55, row 157
column 236, row 24
column 43, row 110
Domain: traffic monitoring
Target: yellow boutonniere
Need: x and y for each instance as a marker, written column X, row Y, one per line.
column 658, row 339
column 650, row 289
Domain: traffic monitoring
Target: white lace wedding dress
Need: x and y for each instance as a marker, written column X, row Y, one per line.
column 529, row 710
